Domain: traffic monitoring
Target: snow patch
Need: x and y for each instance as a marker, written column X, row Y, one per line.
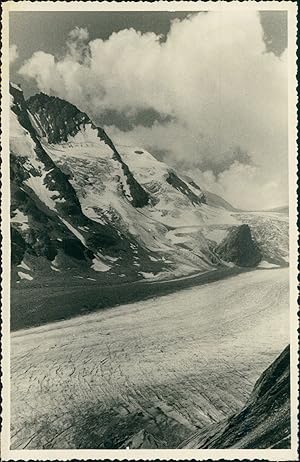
column 21, row 219
column 36, row 183
column 25, row 276
column 54, row 269
column 24, row 266
column 73, row 230
column 147, row 275
column 113, row 259
column 17, row 87
column 35, row 122
column 21, row 143
column 153, row 258
column 99, row 265
column 266, row 264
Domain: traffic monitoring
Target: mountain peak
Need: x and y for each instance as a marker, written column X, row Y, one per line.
column 59, row 118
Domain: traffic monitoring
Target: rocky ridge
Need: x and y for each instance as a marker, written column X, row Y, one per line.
column 264, row 421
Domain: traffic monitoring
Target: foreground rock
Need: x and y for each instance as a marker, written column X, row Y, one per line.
column 263, row 423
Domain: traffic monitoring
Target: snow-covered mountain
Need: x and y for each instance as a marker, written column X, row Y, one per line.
column 84, row 207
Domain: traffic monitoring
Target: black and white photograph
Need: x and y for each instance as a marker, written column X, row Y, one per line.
column 149, row 230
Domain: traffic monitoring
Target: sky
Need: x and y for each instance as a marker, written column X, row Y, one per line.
column 204, row 92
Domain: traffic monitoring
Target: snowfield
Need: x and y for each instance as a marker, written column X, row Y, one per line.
column 161, row 367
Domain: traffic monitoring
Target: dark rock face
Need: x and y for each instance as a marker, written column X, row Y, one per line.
column 18, row 246
column 239, row 247
column 181, row 186
column 59, row 119
column 263, row 423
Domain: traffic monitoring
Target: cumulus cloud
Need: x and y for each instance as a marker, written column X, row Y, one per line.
column 13, row 53
column 244, row 186
column 223, row 97
column 79, row 33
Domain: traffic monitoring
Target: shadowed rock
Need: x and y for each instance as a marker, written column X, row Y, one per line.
column 264, row 422
column 181, row 186
column 239, row 248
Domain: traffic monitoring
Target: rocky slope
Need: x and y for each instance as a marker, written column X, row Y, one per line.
column 264, row 422
column 85, row 208
column 239, row 247
column 47, row 217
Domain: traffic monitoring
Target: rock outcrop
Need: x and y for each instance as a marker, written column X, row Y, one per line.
column 264, row 422
column 239, row 247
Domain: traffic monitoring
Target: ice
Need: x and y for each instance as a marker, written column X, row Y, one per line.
column 144, row 166
column 195, row 354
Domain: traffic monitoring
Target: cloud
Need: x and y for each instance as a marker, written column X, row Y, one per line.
column 211, row 80
column 244, row 186
column 79, row 33
column 13, row 53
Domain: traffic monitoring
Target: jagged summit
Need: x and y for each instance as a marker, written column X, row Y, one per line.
column 62, row 122
column 57, row 118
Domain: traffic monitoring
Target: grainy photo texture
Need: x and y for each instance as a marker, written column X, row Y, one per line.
column 150, row 172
